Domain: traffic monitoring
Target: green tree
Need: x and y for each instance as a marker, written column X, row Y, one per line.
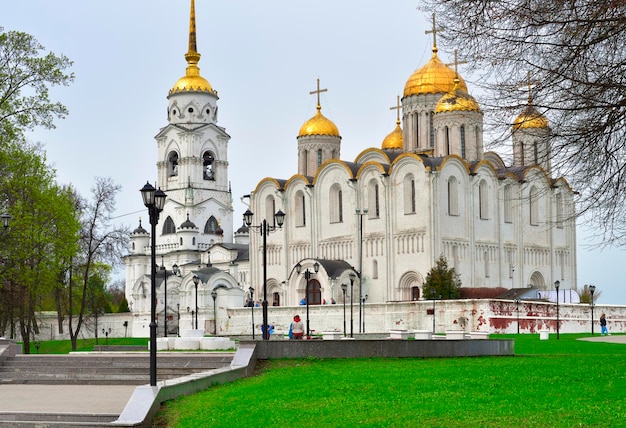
column 26, row 75
column 572, row 56
column 44, row 232
column 442, row 282
column 101, row 242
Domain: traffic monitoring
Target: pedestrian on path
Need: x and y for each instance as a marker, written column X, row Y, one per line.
column 604, row 330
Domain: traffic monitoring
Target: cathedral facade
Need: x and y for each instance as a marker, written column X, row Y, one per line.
column 370, row 229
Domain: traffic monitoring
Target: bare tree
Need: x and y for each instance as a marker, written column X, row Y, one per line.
column 570, row 55
column 101, row 242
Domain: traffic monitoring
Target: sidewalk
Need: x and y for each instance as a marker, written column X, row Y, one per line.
column 609, row 339
column 78, row 399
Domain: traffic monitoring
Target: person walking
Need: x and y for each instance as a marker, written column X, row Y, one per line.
column 603, row 330
column 297, row 328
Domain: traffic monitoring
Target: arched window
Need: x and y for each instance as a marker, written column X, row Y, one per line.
column 508, row 204
column 432, row 129
column 453, row 196
column 463, row 141
column 211, row 225
column 374, row 269
column 319, row 157
column 168, row 226
column 447, row 140
column 536, row 153
column 208, row 159
column 300, row 209
column 533, row 206
column 374, row 199
column 483, row 200
column 172, row 164
column 335, row 204
column 193, row 240
column 409, row 194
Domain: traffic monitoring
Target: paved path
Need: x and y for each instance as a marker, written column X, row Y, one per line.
column 609, row 339
column 79, row 399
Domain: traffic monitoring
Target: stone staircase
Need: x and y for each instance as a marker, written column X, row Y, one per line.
column 93, row 370
column 106, row 369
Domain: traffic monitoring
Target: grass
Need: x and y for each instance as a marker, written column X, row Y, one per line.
column 65, row 346
column 550, row 383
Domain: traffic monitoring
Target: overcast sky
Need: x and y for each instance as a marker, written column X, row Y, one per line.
column 263, row 58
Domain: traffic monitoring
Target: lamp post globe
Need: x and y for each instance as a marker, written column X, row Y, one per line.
column 196, row 281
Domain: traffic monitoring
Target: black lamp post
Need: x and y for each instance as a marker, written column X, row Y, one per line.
column 517, row 310
column 352, row 278
column 307, row 277
column 252, row 308
column 154, row 200
column 364, row 299
column 214, row 295
column 176, row 272
column 265, row 228
column 592, row 289
column 164, row 270
column 196, row 281
column 557, row 283
column 343, row 289
column 361, row 213
column 178, row 319
column 6, row 219
column 434, row 313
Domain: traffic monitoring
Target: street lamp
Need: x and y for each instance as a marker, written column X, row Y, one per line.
column 178, row 319
column 196, row 281
column 517, row 310
column 307, row 277
column 434, row 313
column 592, row 289
column 265, row 228
column 164, row 270
column 343, row 289
column 6, row 218
column 252, row 308
column 364, row 299
column 361, row 213
column 214, row 295
column 154, row 200
column 352, row 278
column 557, row 283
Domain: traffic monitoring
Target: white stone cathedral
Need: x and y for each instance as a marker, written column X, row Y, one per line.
column 429, row 190
column 376, row 224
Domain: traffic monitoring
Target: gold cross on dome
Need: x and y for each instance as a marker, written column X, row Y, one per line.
column 456, row 63
column 318, row 91
column 397, row 107
column 434, row 30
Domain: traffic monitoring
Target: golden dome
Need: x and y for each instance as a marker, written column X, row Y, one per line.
column 192, row 81
column 318, row 125
column 530, row 118
column 457, row 100
column 393, row 141
column 433, row 78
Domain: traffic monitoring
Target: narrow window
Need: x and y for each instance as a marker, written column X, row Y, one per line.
column 533, row 206
column 432, row 129
column 536, row 153
column 319, row 157
column 207, row 166
column 463, row 141
column 172, row 164
column 453, row 196
column 447, row 140
column 483, row 200
column 559, row 211
column 508, row 204
column 168, row 226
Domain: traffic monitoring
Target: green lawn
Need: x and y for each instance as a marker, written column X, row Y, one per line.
column 550, row 383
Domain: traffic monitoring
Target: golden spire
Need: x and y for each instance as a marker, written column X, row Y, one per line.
column 192, row 81
column 434, row 30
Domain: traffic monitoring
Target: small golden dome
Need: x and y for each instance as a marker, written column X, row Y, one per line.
column 433, row 78
column 393, row 141
column 457, row 100
column 318, row 125
column 530, row 118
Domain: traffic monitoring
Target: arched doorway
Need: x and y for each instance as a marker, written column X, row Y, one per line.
column 314, row 295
